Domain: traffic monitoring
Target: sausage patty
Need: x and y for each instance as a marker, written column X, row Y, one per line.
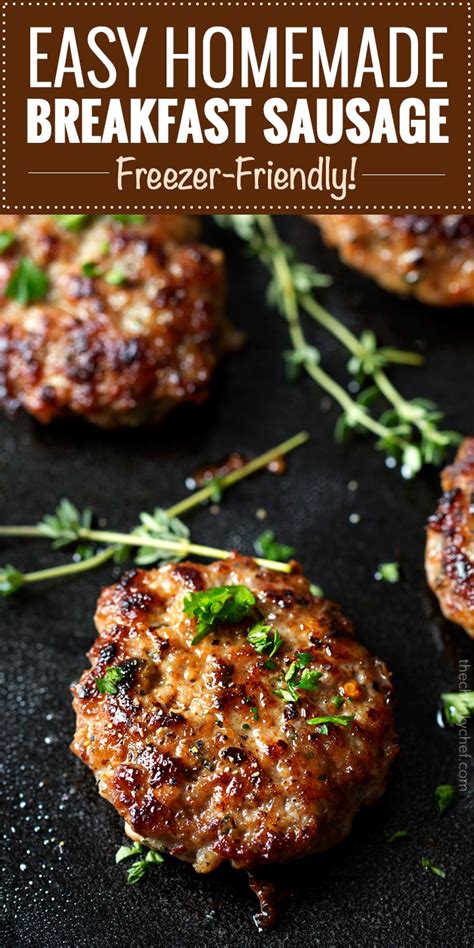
column 121, row 320
column 450, row 541
column 196, row 750
column 431, row 257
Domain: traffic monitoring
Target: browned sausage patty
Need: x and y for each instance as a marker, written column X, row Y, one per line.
column 429, row 257
column 129, row 326
column 450, row 541
column 196, row 751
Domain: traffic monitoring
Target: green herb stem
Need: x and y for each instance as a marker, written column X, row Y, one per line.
column 183, row 547
column 407, row 411
column 17, row 531
column 194, row 499
column 409, row 430
column 256, row 464
column 279, row 262
column 322, row 316
column 69, row 569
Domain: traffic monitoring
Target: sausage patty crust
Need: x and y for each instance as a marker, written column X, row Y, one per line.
column 120, row 319
column 195, row 749
column 431, row 257
column 450, row 541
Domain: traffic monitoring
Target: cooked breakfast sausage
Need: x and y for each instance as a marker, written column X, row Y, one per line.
column 115, row 320
column 431, row 257
column 197, row 750
column 450, row 541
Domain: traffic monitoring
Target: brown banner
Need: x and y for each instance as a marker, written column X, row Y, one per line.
column 301, row 106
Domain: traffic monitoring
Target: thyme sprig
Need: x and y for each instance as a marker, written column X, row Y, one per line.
column 409, row 429
column 160, row 536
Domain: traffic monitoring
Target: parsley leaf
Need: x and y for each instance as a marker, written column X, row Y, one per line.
column 28, row 283
column 457, row 706
column 303, row 659
column 115, row 278
column 124, row 852
column 91, row 269
column 388, row 572
column 136, row 872
column 267, row 546
column 7, row 238
column 271, row 664
column 72, row 221
column 434, row 869
column 338, row 701
column 107, row 685
column 444, row 796
column 140, row 867
column 260, row 637
column 342, row 720
column 153, row 858
column 10, row 580
column 307, row 681
column 217, row 606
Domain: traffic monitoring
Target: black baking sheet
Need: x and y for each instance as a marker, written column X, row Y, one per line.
column 61, row 883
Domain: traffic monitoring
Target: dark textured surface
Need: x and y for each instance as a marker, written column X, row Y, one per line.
column 61, row 883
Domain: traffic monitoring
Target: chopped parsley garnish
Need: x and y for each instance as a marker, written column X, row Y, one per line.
column 149, row 857
column 444, row 796
column 7, row 238
column 217, row 606
column 140, row 867
column 316, row 590
column 126, row 851
column 260, row 636
column 309, row 679
column 338, row 701
column 107, row 685
column 271, row 664
column 398, row 834
column 434, row 869
column 388, row 572
column 28, row 283
column 342, row 720
column 267, row 546
column 72, row 221
column 115, row 278
column 91, row 269
column 303, row 659
column 457, row 706
column 306, row 681
column 253, row 709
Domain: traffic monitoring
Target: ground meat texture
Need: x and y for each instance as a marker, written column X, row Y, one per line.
column 196, row 751
column 450, row 541
column 431, row 257
column 114, row 353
